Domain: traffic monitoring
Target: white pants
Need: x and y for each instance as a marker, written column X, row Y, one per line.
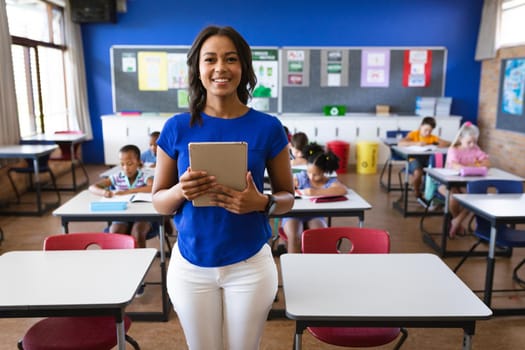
column 223, row 307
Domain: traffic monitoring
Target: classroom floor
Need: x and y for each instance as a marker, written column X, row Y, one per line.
column 27, row 233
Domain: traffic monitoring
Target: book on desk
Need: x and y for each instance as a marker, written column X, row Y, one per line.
column 120, row 202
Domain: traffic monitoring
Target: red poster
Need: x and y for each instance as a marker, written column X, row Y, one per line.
column 417, row 67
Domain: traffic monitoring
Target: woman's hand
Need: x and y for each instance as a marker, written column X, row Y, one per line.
column 195, row 183
column 239, row 202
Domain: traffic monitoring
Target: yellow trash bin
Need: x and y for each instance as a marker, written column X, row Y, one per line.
column 367, row 157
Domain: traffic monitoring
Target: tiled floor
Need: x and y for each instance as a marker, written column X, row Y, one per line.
column 23, row 233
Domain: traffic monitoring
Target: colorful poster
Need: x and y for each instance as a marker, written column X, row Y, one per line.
column 296, row 68
column 375, row 68
column 513, row 86
column 265, row 64
column 152, row 71
column 417, row 68
column 177, row 71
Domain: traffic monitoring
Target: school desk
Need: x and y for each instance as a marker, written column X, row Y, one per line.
column 33, row 152
column 364, row 290
column 497, row 209
column 452, row 179
column 72, row 283
column 77, row 209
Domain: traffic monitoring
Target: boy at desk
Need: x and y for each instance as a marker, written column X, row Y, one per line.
column 421, row 137
column 130, row 179
column 149, row 157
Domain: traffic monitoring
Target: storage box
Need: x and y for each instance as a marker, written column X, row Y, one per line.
column 382, row 109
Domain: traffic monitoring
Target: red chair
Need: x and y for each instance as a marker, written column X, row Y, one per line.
column 353, row 240
column 71, row 154
column 79, row 333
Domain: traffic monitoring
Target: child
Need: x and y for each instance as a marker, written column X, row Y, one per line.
column 313, row 182
column 464, row 152
column 149, row 157
column 421, row 137
column 298, row 142
column 129, row 180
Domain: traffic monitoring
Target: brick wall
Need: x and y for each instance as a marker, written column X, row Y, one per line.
column 506, row 148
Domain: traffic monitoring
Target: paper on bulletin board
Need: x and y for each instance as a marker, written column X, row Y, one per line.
column 129, row 62
column 266, row 65
column 152, row 71
column 177, row 71
column 375, row 68
column 334, row 71
column 417, row 68
column 182, row 98
column 296, row 67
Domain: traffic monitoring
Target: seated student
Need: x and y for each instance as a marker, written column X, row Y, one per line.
column 298, row 142
column 313, row 182
column 464, row 152
column 149, row 157
column 131, row 179
column 421, row 137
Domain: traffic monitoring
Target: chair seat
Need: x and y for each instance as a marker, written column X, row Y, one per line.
column 507, row 237
column 356, row 336
column 79, row 333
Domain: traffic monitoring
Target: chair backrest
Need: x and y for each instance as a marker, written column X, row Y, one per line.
column 499, row 186
column 353, row 240
column 395, row 133
column 81, row 241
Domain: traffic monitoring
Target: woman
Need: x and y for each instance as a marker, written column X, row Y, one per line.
column 222, row 278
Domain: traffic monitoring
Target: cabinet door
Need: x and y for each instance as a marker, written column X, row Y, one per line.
column 447, row 128
column 114, row 134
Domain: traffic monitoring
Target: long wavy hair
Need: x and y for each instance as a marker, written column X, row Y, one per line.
column 197, row 92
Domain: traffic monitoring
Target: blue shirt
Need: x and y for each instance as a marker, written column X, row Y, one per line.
column 212, row 236
column 148, row 157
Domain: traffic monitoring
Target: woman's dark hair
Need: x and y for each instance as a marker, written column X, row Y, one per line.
column 197, row 92
column 316, row 155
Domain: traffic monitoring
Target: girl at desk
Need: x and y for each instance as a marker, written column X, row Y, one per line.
column 464, row 152
column 313, row 182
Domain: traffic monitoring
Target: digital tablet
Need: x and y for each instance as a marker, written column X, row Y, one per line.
column 227, row 161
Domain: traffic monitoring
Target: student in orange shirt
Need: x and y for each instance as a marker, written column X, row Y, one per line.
column 421, row 137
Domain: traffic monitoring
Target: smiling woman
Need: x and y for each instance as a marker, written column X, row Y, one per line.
column 222, row 266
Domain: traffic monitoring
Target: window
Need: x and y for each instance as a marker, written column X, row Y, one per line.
column 37, row 33
column 512, row 24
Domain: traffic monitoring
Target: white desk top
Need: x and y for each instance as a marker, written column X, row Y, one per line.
column 501, row 206
column 77, row 279
column 354, row 202
column 446, row 176
column 25, row 151
column 56, row 137
column 409, row 151
column 378, row 287
column 79, row 205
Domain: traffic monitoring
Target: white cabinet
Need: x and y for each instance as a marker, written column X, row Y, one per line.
column 118, row 131
column 362, row 127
